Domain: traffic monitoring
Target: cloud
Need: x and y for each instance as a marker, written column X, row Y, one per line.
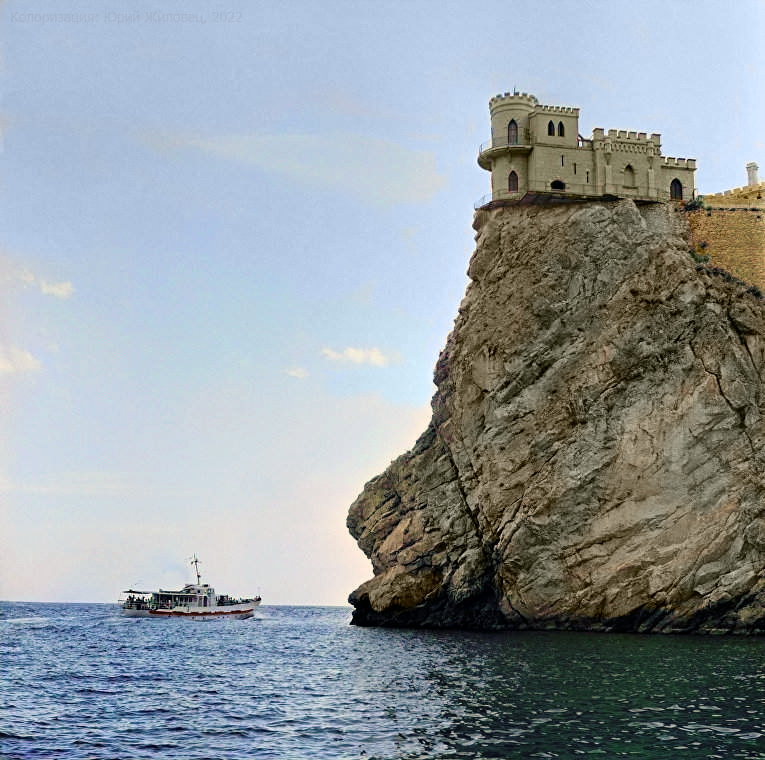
column 16, row 361
column 297, row 372
column 57, row 289
column 350, row 355
column 29, row 280
column 381, row 171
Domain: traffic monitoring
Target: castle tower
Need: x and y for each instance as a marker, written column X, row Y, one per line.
column 751, row 174
column 506, row 154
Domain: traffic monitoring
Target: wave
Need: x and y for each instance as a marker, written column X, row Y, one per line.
column 32, row 622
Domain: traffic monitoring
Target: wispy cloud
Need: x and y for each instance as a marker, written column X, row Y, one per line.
column 63, row 289
column 17, row 361
column 297, row 372
column 57, row 289
column 381, row 171
column 350, row 355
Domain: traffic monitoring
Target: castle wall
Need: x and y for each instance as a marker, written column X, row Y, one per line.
column 735, row 241
column 573, row 166
column 501, row 173
column 681, row 169
column 540, row 119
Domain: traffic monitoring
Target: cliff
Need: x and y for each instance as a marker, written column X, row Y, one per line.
column 595, row 457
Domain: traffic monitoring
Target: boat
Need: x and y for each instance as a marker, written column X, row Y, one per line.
column 195, row 601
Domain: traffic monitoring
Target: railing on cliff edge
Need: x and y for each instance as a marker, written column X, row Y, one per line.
column 578, row 191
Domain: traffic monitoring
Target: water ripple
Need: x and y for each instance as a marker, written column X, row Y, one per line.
column 78, row 681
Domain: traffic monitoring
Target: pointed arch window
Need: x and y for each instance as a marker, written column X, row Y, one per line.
column 676, row 190
column 561, row 131
column 551, row 129
column 512, row 182
column 512, row 133
column 557, row 185
column 629, row 176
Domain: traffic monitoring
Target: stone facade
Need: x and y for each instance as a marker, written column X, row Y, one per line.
column 733, row 238
column 538, row 149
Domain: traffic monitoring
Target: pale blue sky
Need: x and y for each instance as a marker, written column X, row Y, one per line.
column 231, row 252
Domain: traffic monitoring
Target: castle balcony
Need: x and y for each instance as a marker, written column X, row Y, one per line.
column 502, row 144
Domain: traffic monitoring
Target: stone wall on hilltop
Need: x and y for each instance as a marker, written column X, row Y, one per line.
column 735, row 240
column 594, row 459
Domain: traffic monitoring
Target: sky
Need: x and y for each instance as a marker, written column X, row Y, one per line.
column 232, row 246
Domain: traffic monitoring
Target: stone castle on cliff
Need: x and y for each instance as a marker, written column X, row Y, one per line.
column 537, row 154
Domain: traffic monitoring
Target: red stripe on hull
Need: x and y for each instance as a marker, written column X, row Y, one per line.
column 172, row 613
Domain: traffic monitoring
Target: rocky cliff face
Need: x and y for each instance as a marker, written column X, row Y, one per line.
column 595, row 458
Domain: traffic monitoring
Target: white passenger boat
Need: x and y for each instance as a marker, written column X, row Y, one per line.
column 195, row 601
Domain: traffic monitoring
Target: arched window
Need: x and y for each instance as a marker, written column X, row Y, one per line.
column 557, row 185
column 561, row 131
column 512, row 133
column 629, row 176
column 551, row 129
column 512, row 182
column 676, row 190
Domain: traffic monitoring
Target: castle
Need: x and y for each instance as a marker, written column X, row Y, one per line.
column 537, row 154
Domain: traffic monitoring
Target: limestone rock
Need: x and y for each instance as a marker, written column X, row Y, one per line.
column 595, row 456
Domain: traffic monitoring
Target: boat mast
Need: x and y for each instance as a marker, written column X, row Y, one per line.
column 195, row 562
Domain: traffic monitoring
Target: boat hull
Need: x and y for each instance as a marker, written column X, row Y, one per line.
column 232, row 612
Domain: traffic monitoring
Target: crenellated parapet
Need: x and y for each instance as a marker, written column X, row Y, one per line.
column 568, row 110
column 678, row 163
column 517, row 97
column 628, row 136
column 627, row 141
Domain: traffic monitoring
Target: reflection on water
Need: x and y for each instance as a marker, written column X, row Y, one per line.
column 77, row 681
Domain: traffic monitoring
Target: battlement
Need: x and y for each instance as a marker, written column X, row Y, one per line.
column 558, row 109
column 518, row 97
column 682, row 163
column 740, row 190
column 626, row 135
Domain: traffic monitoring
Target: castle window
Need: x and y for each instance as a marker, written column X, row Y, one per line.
column 512, row 182
column 561, row 131
column 574, row 168
column 512, row 133
column 587, row 180
column 557, row 185
column 551, row 129
column 561, row 160
column 629, row 176
column 676, row 190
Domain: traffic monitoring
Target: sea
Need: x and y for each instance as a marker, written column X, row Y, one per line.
column 78, row 681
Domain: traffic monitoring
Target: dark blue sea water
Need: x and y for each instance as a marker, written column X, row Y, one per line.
column 78, row 681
